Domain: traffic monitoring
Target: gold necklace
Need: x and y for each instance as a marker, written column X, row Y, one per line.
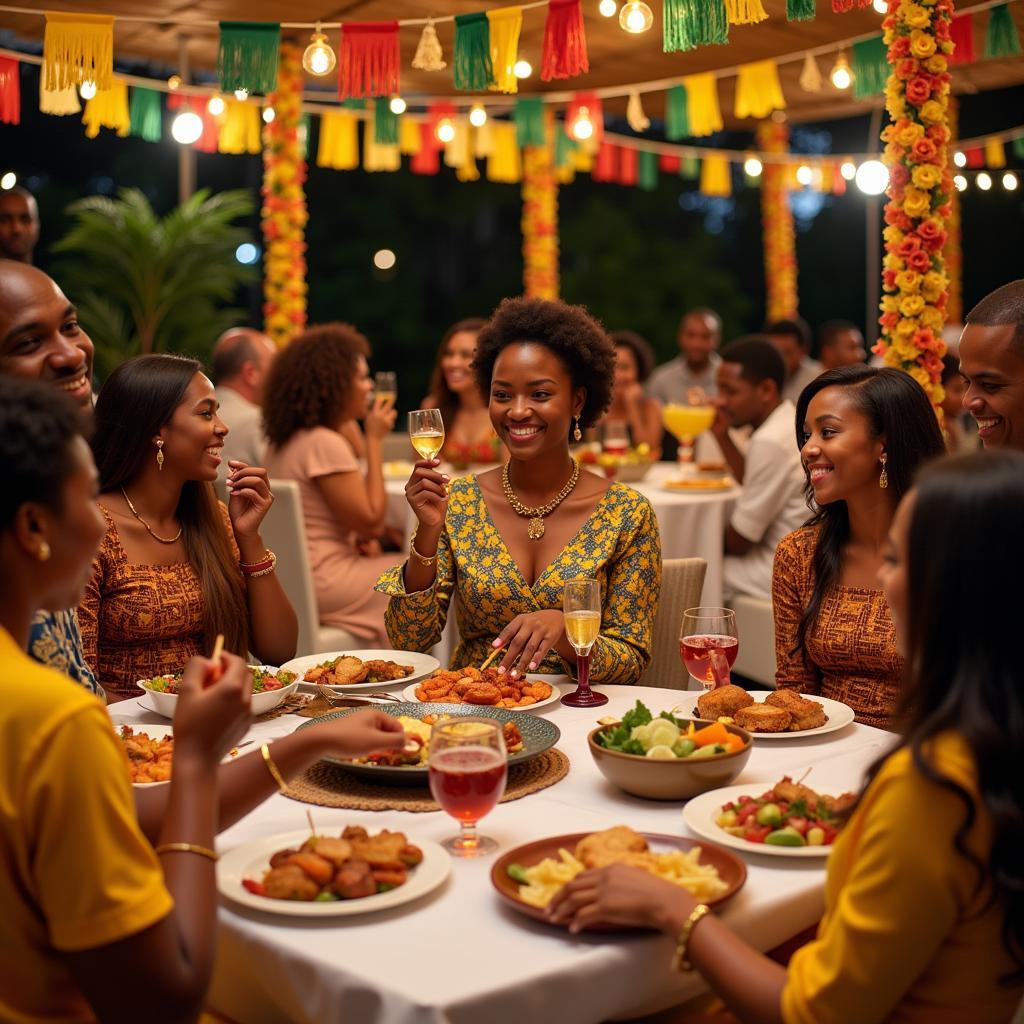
column 536, row 515
column 149, row 529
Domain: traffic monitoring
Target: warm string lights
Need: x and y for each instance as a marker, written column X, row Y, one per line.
column 319, row 58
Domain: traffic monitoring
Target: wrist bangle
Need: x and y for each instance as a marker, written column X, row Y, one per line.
column 422, row 559
column 261, row 568
column 275, row 772
column 203, row 851
column 680, row 960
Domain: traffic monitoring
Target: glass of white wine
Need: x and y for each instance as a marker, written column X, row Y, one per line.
column 581, row 607
column 426, row 431
column 385, row 386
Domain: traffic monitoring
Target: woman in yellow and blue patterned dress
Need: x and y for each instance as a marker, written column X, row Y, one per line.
column 504, row 542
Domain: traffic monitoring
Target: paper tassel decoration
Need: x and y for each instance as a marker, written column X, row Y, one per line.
column 606, row 163
column 745, row 12
column 689, row 168
column 338, row 147
column 758, row 90
column 10, row 91
column 428, row 55
column 647, row 178
column 471, row 58
column 506, row 24
column 410, row 138
column 58, row 101
column 529, row 121
column 690, row 23
column 635, row 116
column 869, row 63
column 565, row 43
column 78, row 48
column 564, row 149
column 539, row 224
column 505, row 163
column 975, row 157
column 1002, row 38
column 590, row 103
column 207, row 141
column 386, row 122
column 483, row 141
column 714, row 177
column 369, row 59
column 995, row 155
column 842, row 6
column 436, row 113
column 458, row 154
column 583, row 160
column 677, row 118
column 1018, row 147
column 427, row 159
column 800, row 10
column 810, row 75
column 145, row 114
column 961, row 31
column 378, row 158
column 669, row 163
column 108, row 109
column 247, row 56
column 239, row 128
column 702, row 104
column 629, row 165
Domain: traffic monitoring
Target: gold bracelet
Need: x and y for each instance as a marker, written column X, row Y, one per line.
column 203, row 851
column 422, row 559
column 680, row 960
column 263, row 567
column 275, row 772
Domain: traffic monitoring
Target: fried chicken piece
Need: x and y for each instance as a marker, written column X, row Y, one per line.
column 318, row 868
column 839, row 805
column 347, row 671
column 354, row 879
column 806, row 714
column 354, row 832
column 390, row 877
column 788, row 790
column 386, row 671
column 289, row 882
column 337, row 851
column 482, row 693
column 763, row 718
column 602, row 848
column 513, row 738
column 410, row 855
column 723, row 702
column 280, row 858
column 380, row 850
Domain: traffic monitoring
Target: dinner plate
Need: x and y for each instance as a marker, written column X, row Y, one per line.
column 422, row 666
column 698, row 486
column 730, row 868
column 156, row 732
column 409, row 694
column 700, row 813
column 538, row 735
column 839, row 715
column 251, row 860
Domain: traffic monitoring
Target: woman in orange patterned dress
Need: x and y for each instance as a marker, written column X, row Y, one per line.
column 863, row 432
column 175, row 567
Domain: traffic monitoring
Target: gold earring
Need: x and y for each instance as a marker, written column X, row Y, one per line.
column 43, row 554
column 160, row 455
column 883, row 479
column 577, row 434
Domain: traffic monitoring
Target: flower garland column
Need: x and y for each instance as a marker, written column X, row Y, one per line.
column 540, row 223
column 920, row 187
column 781, row 300
column 284, row 213
column 952, row 252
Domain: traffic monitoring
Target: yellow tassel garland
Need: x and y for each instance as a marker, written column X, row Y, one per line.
column 505, row 162
column 505, row 25
column 78, row 48
column 410, row 138
column 339, row 141
column 376, row 157
column 745, row 12
column 995, row 155
column 714, row 177
column 108, row 109
column 758, row 90
column 240, row 128
column 702, row 104
column 58, row 101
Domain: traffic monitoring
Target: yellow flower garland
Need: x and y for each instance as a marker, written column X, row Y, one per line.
column 540, row 223
column 777, row 225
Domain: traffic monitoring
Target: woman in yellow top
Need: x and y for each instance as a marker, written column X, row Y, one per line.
column 504, row 542
column 924, row 918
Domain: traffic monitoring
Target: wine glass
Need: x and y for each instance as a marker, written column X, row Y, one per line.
column 581, row 606
column 468, row 767
column 385, row 386
column 708, row 645
column 687, row 421
column 426, row 431
column 615, row 437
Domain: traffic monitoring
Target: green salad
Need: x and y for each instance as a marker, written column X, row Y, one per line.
column 666, row 737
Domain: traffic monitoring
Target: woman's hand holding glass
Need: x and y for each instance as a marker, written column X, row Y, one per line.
column 528, row 638
column 213, row 710
column 379, row 420
column 427, row 493
column 249, row 499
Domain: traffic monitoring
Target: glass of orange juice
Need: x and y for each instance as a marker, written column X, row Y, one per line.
column 686, row 423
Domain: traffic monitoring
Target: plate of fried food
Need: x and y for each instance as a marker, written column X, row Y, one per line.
column 528, row 877
column 343, row 671
column 306, row 875
column 772, row 714
column 150, row 751
column 526, row 736
column 700, row 484
column 486, row 688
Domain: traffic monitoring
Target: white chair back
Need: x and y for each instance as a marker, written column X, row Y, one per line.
column 756, row 627
column 682, row 580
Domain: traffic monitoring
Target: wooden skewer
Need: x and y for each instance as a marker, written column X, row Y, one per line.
column 218, row 648
column 490, row 658
column 312, row 827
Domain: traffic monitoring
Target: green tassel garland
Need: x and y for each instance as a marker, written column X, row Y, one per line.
column 471, row 61
column 800, row 10
column 564, row 149
column 145, row 115
column 870, row 66
column 1018, row 147
column 353, row 104
column 247, row 58
column 689, row 168
column 385, row 123
column 647, row 171
column 529, row 119
column 677, row 119
column 1001, row 39
column 691, row 23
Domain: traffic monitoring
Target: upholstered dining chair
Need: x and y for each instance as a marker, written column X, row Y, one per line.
column 682, row 580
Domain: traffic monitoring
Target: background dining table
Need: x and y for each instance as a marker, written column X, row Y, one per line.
column 459, row 955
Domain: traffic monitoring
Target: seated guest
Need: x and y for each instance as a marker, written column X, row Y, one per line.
column 992, row 365
column 319, row 384
column 699, row 334
column 19, row 225
column 750, row 380
column 793, row 340
column 958, row 437
column 840, row 343
column 504, row 542
column 905, row 936
column 175, row 567
column 631, row 410
column 863, row 433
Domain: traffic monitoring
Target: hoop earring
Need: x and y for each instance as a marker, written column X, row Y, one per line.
column 160, row 455
column 883, row 479
column 577, row 434
column 43, row 553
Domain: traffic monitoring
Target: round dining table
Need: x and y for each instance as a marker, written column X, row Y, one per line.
column 459, row 955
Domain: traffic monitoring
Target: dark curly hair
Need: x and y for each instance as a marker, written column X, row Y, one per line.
column 310, row 381
column 641, row 350
column 570, row 332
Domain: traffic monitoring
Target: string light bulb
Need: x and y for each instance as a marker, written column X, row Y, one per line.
column 960, row 158
column 635, row 17
column 804, row 175
column 174, row 82
column 607, row 8
column 187, row 127
column 215, row 106
column 872, row 177
column 984, row 181
column 582, row 127
column 478, row 116
column 397, row 105
column 753, row 167
column 87, row 89
column 269, row 113
column 881, row 6
column 522, row 69
column 848, row 169
column 1010, row 181
column 841, row 76
column 241, row 95
column 445, row 130
column 961, row 182
column 8, row 181
column 318, row 58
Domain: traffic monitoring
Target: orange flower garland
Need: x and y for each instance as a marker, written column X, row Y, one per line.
column 952, row 253
column 777, row 225
column 540, row 223
column 920, row 187
column 284, row 213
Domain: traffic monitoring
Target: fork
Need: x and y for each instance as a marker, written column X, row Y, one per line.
column 355, row 700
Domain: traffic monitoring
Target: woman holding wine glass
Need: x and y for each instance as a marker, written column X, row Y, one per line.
column 504, row 542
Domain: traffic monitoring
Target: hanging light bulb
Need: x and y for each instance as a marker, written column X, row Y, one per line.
column 1010, row 181
column 607, row 8
column 397, row 105
column 872, row 177
column 478, row 116
column 881, row 6
column 848, row 169
column 522, row 69
column 318, row 58
column 804, row 174
column 215, row 106
column 445, row 130
column 636, row 17
column 960, row 181
column 269, row 114
column 187, row 127
column 841, row 76
column 241, row 95
column 753, row 167
column 9, row 180
column 174, row 82
column 984, row 181
column 960, row 158
column 582, row 127
column 87, row 89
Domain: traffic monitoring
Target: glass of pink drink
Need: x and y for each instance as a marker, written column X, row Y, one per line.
column 708, row 645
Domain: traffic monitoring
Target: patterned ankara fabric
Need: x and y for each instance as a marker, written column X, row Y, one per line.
column 54, row 641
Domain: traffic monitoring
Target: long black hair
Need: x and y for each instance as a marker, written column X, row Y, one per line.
column 446, row 399
column 897, row 409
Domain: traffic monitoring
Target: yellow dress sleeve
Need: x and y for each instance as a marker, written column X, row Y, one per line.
column 792, row 669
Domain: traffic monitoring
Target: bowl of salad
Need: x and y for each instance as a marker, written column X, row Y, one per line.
column 662, row 757
column 270, row 686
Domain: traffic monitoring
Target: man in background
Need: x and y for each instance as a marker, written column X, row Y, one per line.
column 792, row 340
column 699, row 334
column 19, row 224
column 840, row 343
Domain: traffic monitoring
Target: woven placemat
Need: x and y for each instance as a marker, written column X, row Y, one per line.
column 330, row 786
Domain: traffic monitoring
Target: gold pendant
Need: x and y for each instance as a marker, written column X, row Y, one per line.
column 536, row 529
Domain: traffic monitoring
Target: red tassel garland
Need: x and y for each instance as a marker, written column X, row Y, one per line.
column 565, row 42
column 428, row 159
column 436, row 113
column 962, row 32
column 369, row 59
column 207, row 142
column 10, row 91
column 669, row 164
column 842, row 6
column 629, row 165
column 590, row 104
column 975, row 157
column 606, row 166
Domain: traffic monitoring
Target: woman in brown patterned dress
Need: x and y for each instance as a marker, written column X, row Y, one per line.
column 862, row 433
column 175, row 567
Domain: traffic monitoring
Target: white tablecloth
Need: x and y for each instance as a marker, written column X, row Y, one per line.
column 459, row 955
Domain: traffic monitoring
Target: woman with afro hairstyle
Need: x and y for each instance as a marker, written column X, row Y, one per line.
column 505, row 541
column 317, row 388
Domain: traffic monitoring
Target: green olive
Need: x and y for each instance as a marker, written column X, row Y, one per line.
column 787, row 836
column 769, row 814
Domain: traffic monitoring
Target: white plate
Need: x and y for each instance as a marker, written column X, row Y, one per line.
column 422, row 666
column 700, row 813
column 165, row 704
column 251, row 860
column 158, row 732
column 839, row 715
column 409, row 694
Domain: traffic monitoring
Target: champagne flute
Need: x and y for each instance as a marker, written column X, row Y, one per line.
column 581, row 606
column 426, row 431
column 385, row 386
column 708, row 645
column 468, row 767
column 686, row 422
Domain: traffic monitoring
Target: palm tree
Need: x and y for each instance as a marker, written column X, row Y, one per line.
column 143, row 283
